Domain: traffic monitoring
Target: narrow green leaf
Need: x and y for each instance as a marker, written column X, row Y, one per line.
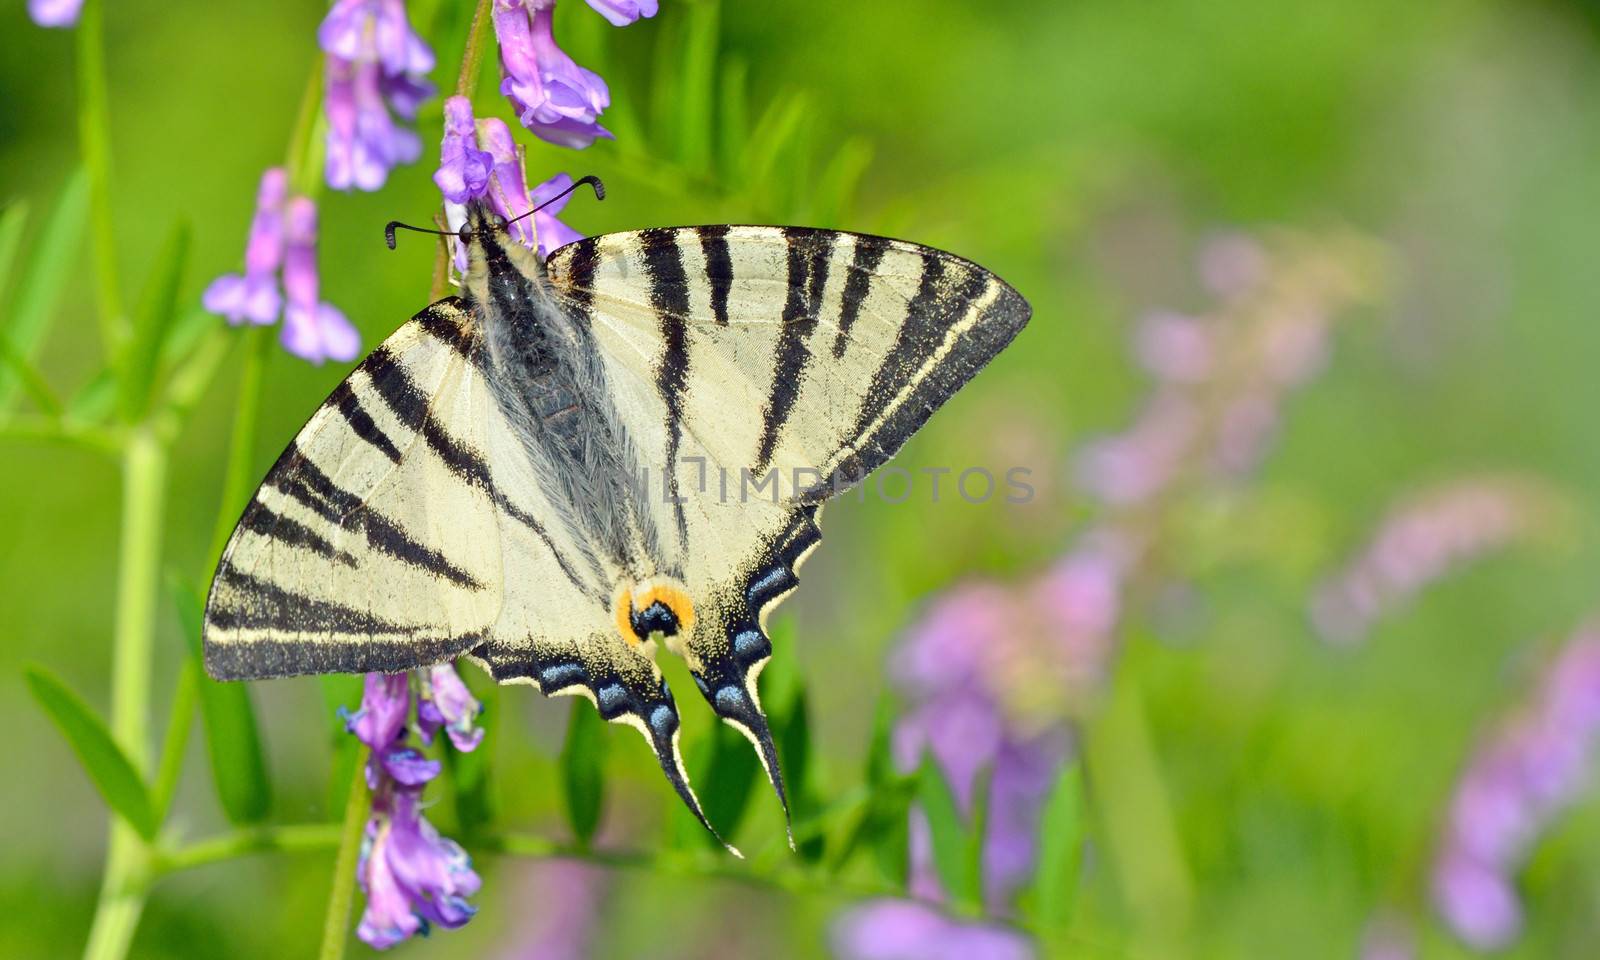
column 729, row 777
column 773, row 135
column 233, row 738
column 108, row 767
column 733, row 119
column 882, row 820
column 837, row 184
column 158, row 308
column 11, row 224
column 1061, row 835
column 56, row 256
column 583, row 769
column 699, row 61
column 794, row 754
column 952, row 841
column 93, row 401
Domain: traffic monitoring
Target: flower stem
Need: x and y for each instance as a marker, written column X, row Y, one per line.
column 122, row 892
column 336, row 926
column 472, row 57
column 241, row 447
column 94, row 132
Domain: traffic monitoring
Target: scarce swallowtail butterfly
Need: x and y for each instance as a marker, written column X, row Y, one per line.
column 578, row 459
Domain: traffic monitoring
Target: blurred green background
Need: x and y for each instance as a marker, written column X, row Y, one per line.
column 1080, row 148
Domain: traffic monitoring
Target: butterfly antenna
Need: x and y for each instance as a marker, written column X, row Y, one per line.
column 591, row 180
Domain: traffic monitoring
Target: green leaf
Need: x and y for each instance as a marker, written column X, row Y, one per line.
column 583, row 769
column 699, row 60
column 1061, row 833
column 882, row 823
column 469, row 770
column 952, row 839
column 11, row 224
column 57, row 256
column 837, row 185
column 794, row 754
column 93, row 401
column 158, row 308
column 233, row 739
column 108, row 767
column 729, row 776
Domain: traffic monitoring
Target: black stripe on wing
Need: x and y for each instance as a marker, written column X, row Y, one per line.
column 669, row 296
column 808, row 254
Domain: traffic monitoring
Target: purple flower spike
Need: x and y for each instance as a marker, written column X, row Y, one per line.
column 556, row 99
column 376, row 64
column 253, row 295
column 623, row 12
column 64, row 13
column 384, row 703
column 412, row 876
column 449, row 704
column 312, row 330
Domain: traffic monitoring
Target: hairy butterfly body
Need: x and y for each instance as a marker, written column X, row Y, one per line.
column 626, row 445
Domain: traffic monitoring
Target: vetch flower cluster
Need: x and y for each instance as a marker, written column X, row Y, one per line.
column 1221, row 378
column 480, row 161
column 377, row 67
column 555, row 98
column 1420, row 542
column 283, row 244
column 1536, row 765
column 412, row 877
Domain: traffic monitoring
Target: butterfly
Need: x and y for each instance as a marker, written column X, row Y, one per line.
column 581, row 458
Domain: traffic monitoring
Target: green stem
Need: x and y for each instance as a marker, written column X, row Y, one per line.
column 305, row 170
column 122, row 891
column 336, row 926
column 241, row 446
column 94, row 132
column 49, row 430
column 472, row 56
column 293, row 838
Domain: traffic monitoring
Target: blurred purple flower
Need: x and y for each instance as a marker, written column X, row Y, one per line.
column 480, row 160
column 64, row 13
column 556, row 99
column 623, row 12
column 253, row 295
column 1222, row 377
column 376, row 64
column 1419, row 542
column 570, row 895
column 412, row 877
column 906, row 930
column 312, row 330
column 1536, row 765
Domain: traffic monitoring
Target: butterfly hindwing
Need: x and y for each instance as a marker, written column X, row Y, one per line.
column 762, row 370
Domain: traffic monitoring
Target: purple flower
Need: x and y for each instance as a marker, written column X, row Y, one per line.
column 1533, row 767
column 480, row 160
column 449, row 704
column 623, row 12
column 906, row 930
column 412, row 877
column 312, row 330
column 1421, row 541
column 253, row 295
column 64, row 13
column 376, row 64
column 554, row 97
column 571, row 896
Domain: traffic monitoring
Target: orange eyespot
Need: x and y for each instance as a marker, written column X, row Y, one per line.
column 656, row 604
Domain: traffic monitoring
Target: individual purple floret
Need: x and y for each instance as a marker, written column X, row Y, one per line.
column 377, row 67
column 1421, row 541
column 312, row 329
column 556, row 99
column 623, row 12
column 253, row 295
column 480, row 160
column 906, row 930
column 1534, row 766
column 64, row 13
column 413, row 878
